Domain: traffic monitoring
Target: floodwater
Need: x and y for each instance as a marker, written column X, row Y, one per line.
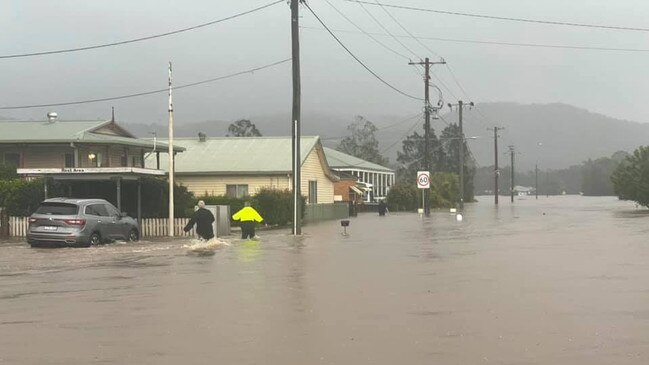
column 561, row 280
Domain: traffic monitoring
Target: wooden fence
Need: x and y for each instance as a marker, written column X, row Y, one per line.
column 150, row 227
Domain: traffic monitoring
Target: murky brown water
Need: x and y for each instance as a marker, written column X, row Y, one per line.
column 563, row 280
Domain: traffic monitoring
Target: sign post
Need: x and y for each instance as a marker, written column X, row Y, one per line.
column 423, row 182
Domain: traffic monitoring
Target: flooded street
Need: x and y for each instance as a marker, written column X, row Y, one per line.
column 561, row 280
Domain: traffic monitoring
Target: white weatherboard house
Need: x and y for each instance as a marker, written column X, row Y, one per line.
column 377, row 178
column 241, row 166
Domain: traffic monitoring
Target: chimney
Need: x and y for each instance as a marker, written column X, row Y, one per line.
column 51, row 117
column 201, row 137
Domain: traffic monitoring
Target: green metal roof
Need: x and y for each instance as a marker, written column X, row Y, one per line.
column 235, row 155
column 65, row 132
column 340, row 160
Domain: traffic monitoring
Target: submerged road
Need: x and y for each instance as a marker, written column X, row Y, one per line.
column 561, row 280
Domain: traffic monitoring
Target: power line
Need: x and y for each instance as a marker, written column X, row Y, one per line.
column 494, row 17
column 356, row 58
column 498, row 43
column 86, row 48
column 380, row 128
column 366, row 33
column 406, row 30
column 388, row 31
column 88, row 101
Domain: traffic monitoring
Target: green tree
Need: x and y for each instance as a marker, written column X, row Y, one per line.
column 362, row 142
column 631, row 177
column 451, row 142
column 411, row 156
column 243, row 128
column 596, row 177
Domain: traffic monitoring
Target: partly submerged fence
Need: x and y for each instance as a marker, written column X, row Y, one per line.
column 159, row 227
column 150, row 227
column 323, row 212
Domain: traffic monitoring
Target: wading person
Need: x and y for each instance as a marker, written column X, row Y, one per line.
column 383, row 208
column 248, row 217
column 203, row 219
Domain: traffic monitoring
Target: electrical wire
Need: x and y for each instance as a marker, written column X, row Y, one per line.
column 498, row 43
column 494, row 17
column 379, row 128
column 388, row 31
column 356, row 58
column 86, row 48
column 145, row 92
column 366, row 33
column 406, row 30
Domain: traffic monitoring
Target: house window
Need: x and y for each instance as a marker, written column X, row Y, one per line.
column 236, row 191
column 134, row 161
column 313, row 192
column 12, row 158
column 69, row 160
column 123, row 161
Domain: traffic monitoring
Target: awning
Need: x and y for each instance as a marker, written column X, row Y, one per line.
column 356, row 190
column 91, row 173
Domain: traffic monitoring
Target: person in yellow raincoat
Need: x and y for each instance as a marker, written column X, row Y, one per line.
column 248, row 217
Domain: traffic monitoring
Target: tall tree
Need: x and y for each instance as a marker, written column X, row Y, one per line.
column 631, row 177
column 411, row 156
column 451, row 142
column 243, row 128
column 362, row 142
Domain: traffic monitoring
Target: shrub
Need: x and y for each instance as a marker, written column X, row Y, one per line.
column 275, row 206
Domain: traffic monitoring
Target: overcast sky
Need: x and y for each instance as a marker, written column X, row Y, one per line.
column 609, row 82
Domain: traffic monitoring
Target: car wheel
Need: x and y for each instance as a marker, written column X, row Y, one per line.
column 94, row 239
column 133, row 235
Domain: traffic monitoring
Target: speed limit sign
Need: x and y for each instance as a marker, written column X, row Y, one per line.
column 423, row 179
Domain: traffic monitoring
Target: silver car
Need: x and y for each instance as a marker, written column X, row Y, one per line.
column 79, row 222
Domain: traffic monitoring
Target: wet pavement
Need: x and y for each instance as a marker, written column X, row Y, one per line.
column 561, row 280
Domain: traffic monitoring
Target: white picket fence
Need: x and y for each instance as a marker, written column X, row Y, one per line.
column 150, row 227
column 18, row 226
column 159, row 227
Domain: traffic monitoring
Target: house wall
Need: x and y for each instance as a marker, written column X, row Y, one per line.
column 215, row 185
column 53, row 156
column 313, row 169
column 38, row 156
column 342, row 188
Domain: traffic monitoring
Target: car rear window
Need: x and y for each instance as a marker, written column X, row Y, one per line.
column 57, row 209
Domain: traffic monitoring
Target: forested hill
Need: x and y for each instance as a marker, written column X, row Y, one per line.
column 567, row 135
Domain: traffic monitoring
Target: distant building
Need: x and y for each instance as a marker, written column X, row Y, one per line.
column 373, row 180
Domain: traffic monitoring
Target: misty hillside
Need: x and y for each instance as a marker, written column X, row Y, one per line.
column 568, row 135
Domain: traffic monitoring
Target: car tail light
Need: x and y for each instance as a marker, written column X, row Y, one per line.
column 75, row 222
column 32, row 220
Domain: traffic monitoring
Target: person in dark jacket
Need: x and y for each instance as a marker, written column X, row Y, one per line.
column 382, row 207
column 203, row 219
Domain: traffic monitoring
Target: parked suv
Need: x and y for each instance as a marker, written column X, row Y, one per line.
column 79, row 222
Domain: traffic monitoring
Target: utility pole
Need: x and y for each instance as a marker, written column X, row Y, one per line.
column 496, row 171
column 171, row 159
column 511, row 152
column 296, row 159
column 427, row 108
column 536, row 180
column 460, row 105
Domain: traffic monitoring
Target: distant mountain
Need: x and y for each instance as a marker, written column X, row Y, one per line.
column 555, row 135
column 567, row 135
